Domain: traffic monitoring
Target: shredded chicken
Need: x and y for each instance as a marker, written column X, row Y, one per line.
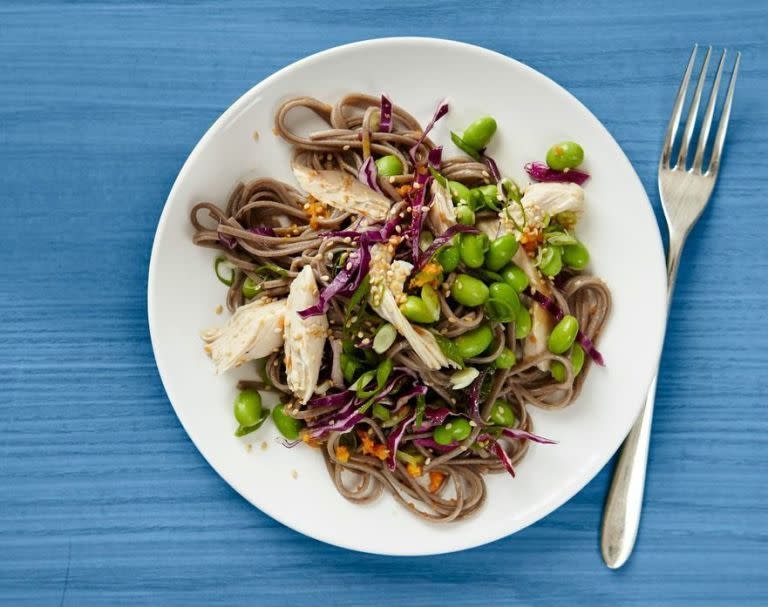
column 342, row 191
column 383, row 301
column 304, row 337
column 442, row 213
column 254, row 331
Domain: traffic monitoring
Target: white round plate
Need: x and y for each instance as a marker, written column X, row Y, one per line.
column 292, row 485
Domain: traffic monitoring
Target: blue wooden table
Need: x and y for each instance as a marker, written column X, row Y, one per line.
column 104, row 500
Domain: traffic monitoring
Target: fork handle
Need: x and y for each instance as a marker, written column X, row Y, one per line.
column 621, row 517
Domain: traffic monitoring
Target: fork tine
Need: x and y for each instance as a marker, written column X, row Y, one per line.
column 677, row 111
column 693, row 111
column 722, row 127
column 706, row 121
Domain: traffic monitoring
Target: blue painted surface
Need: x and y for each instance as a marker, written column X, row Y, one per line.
column 103, row 499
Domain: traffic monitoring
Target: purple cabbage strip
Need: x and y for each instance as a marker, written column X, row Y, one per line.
column 516, row 433
column 551, row 306
column 432, row 418
column 442, row 110
column 337, row 425
column 473, row 398
column 541, row 172
column 340, row 398
column 418, row 211
column 415, row 391
column 393, row 440
column 429, row 443
column 499, row 452
column 385, row 114
column 492, row 167
column 368, row 174
column 442, row 240
column 228, row 241
column 435, row 157
column 339, row 284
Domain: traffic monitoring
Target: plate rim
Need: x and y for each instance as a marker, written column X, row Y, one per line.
column 247, row 97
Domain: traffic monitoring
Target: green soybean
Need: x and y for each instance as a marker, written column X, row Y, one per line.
column 250, row 288
column 389, row 166
column 472, row 249
column 505, row 360
column 442, row 435
column 469, row 291
column 501, row 291
column 551, row 261
column 248, row 408
column 502, row 414
column 515, row 277
column 288, row 426
column 565, row 155
column 460, row 428
column 449, row 258
column 500, row 252
column 522, row 323
column 478, row 134
column 576, row 256
column 563, row 335
column 557, row 371
column 459, row 192
column 490, row 195
column 415, row 309
column 577, row 358
column 474, row 342
column 465, row 215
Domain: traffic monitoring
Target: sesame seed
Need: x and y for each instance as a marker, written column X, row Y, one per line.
column 473, row 423
column 448, row 426
column 360, row 334
column 366, row 341
column 325, row 277
column 347, row 239
column 348, row 267
column 485, row 174
column 391, row 180
column 345, row 148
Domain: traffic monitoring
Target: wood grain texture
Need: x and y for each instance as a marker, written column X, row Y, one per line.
column 104, row 500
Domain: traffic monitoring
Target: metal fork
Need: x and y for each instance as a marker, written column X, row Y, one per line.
column 685, row 193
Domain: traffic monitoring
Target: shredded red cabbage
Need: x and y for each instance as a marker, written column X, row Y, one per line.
column 435, row 157
column 432, row 418
column 499, row 452
column 263, row 231
column 393, row 440
column 385, row 114
column 442, row 110
column 492, row 167
column 327, row 400
column 441, row 240
column 473, row 398
column 551, row 306
column 516, row 433
column 228, row 241
column 541, row 172
column 340, row 423
column 368, row 174
column 407, row 396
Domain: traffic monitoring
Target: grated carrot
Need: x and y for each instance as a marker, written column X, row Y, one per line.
column 436, row 479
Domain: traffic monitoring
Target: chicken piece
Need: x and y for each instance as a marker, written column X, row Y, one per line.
column 541, row 320
column 304, row 337
column 342, row 191
column 384, row 294
column 254, row 331
column 441, row 213
column 546, row 198
column 491, row 227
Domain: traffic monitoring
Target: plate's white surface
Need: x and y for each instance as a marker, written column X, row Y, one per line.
column 533, row 112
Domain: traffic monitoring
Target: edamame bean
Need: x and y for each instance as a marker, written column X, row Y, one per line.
column 500, row 252
column 469, row 291
column 465, row 215
column 577, row 358
column 442, row 435
column 432, row 301
column 459, row 192
column 490, row 195
column 389, row 166
column 557, row 371
column 250, row 288
column 502, row 414
column 505, row 360
column 479, row 133
column 288, row 426
column 563, row 334
column 472, row 249
column 474, row 342
column 576, row 256
column 565, row 155
column 551, row 261
column 515, row 277
column 248, row 408
column 415, row 309
column 460, row 428
column 448, row 257
column 502, row 292
column 522, row 323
